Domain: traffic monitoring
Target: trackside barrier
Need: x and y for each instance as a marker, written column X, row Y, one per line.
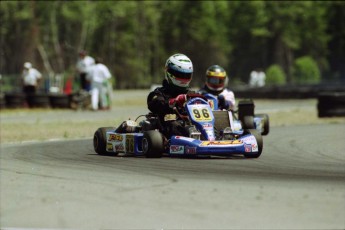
column 331, row 98
column 331, row 104
column 77, row 100
column 285, row 92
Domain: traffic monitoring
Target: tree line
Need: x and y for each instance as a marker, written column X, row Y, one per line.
column 134, row 38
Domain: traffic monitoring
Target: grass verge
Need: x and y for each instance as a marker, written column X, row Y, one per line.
column 72, row 125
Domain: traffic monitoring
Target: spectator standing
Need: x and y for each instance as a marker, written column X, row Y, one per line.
column 83, row 66
column 31, row 78
column 257, row 78
column 99, row 76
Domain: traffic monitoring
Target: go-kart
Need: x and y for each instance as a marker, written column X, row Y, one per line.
column 211, row 133
column 244, row 116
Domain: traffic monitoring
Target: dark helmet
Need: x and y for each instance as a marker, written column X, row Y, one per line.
column 215, row 78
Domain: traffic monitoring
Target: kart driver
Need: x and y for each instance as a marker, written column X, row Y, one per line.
column 216, row 83
column 173, row 93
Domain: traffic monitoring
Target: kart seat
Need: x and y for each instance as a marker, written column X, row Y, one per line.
column 222, row 119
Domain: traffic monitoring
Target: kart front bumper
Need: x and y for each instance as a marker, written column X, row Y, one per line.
column 188, row 146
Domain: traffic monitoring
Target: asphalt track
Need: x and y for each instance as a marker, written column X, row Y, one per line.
column 297, row 183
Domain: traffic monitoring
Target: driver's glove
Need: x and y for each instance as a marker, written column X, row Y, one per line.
column 178, row 101
column 222, row 103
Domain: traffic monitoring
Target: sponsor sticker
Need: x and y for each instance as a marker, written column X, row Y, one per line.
column 252, row 142
column 119, row 148
column 109, row 147
column 255, row 148
column 185, row 138
column 130, row 143
column 190, row 150
column 211, row 103
column 177, row 149
column 247, row 148
column 115, row 137
column 170, row 117
column 250, row 139
column 232, row 142
column 207, row 126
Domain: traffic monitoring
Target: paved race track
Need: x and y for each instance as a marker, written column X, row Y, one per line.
column 297, row 183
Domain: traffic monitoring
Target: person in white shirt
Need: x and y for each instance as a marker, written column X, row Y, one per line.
column 99, row 76
column 83, row 66
column 257, row 78
column 31, row 78
column 216, row 83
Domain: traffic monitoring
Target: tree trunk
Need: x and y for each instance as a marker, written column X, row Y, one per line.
column 34, row 35
column 55, row 39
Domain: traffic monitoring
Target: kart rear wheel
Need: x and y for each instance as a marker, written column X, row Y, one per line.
column 248, row 122
column 259, row 141
column 153, row 144
column 100, row 141
column 266, row 120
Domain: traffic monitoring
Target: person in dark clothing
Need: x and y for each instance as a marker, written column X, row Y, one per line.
column 83, row 66
column 173, row 93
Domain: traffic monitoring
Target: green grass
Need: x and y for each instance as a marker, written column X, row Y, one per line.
column 21, row 130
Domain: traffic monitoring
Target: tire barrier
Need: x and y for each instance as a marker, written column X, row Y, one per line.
column 38, row 100
column 80, row 100
column 2, row 101
column 60, row 101
column 15, row 100
column 331, row 104
column 285, row 92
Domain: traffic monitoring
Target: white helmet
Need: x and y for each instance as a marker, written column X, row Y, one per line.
column 179, row 70
column 27, row 65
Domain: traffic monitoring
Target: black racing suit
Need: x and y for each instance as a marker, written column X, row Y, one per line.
column 158, row 103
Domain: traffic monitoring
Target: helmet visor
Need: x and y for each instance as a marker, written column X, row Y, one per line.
column 180, row 75
column 216, row 81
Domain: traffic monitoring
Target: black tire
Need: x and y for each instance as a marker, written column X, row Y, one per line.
column 100, row 141
column 60, row 101
column 248, row 122
column 2, row 101
column 153, row 144
column 15, row 100
column 266, row 120
column 259, row 140
column 331, row 104
column 39, row 100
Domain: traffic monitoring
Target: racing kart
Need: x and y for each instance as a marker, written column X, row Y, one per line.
column 244, row 115
column 211, row 133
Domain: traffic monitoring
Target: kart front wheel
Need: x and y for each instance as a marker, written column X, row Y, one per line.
column 153, row 144
column 259, row 141
column 100, row 141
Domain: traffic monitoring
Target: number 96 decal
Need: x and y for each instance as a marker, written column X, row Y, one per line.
column 201, row 114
